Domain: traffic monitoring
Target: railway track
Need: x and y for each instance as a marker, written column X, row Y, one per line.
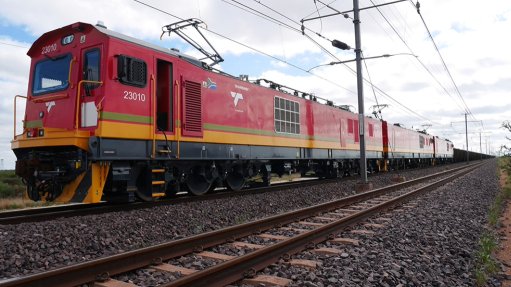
column 68, row 210
column 310, row 226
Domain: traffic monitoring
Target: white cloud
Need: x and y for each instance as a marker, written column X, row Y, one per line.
column 471, row 38
column 14, row 68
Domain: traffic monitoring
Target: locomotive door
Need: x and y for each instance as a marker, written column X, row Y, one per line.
column 90, row 86
column 164, row 97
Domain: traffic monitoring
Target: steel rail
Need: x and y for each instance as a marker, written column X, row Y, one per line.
column 247, row 265
column 103, row 267
column 68, row 210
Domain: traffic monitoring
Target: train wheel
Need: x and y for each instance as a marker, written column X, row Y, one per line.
column 197, row 184
column 235, row 181
column 32, row 191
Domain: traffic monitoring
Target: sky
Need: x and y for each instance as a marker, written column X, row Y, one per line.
column 426, row 85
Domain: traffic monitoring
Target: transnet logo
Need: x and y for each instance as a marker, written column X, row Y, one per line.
column 236, row 97
column 49, row 105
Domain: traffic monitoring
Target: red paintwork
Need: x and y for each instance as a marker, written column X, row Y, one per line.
column 403, row 142
column 62, row 114
column 255, row 112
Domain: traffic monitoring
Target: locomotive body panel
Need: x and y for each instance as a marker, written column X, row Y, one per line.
column 404, row 143
column 444, row 149
column 109, row 117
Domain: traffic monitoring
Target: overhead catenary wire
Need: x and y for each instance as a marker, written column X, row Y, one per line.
column 278, row 59
column 331, row 54
column 419, row 60
column 369, row 76
column 349, row 68
column 320, row 20
column 273, row 20
column 158, row 9
column 317, row 10
column 13, row 45
column 250, row 48
column 380, row 91
column 293, row 65
column 467, row 109
column 291, row 27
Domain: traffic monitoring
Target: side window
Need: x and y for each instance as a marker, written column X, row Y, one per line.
column 131, row 71
column 286, row 116
column 91, row 70
column 350, row 126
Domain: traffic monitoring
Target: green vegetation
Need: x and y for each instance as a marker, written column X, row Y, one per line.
column 10, row 185
column 486, row 265
column 506, row 149
column 12, row 190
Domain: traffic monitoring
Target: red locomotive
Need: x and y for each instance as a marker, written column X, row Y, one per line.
column 109, row 117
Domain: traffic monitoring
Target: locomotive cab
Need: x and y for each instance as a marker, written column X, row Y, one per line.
column 64, row 93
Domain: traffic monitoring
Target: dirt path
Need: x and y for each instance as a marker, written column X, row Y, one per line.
column 504, row 253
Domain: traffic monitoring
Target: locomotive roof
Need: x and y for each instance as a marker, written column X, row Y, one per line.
column 118, row 35
column 104, row 30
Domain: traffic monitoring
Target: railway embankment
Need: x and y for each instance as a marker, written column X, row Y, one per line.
column 435, row 240
column 500, row 221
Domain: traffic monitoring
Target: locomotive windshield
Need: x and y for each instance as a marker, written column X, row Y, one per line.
column 51, row 75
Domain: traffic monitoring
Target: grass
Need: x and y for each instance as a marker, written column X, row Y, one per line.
column 486, row 265
column 19, row 202
column 10, row 184
column 12, row 192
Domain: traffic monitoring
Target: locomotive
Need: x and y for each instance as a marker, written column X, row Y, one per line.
column 111, row 118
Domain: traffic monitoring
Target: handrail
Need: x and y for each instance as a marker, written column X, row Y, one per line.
column 15, row 100
column 78, row 97
column 153, row 123
column 178, row 118
column 70, row 70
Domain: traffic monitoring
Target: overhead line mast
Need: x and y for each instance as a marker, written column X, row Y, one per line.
column 364, row 184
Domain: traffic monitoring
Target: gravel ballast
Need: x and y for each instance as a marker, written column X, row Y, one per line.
column 34, row 247
column 431, row 244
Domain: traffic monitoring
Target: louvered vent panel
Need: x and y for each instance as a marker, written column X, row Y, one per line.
column 137, row 71
column 192, row 109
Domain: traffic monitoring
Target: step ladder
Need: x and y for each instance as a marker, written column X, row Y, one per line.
column 158, row 182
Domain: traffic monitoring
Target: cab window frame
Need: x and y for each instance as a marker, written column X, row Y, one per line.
column 85, row 76
column 35, row 79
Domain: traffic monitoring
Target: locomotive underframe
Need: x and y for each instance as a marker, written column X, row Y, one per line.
column 133, row 171
column 47, row 170
column 200, row 167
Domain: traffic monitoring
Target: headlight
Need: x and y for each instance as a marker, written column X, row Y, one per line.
column 68, row 39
